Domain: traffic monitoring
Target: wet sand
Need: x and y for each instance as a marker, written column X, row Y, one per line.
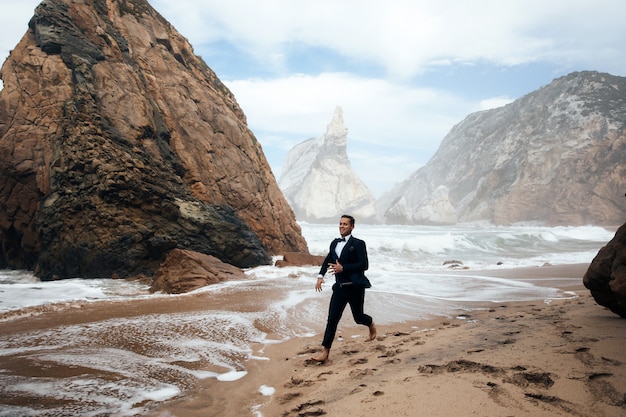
column 562, row 358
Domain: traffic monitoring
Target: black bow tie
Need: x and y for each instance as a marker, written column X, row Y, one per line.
column 341, row 239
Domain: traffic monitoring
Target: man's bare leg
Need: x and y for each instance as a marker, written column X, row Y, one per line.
column 372, row 332
column 323, row 357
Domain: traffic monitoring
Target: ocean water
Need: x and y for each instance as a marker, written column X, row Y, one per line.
column 126, row 365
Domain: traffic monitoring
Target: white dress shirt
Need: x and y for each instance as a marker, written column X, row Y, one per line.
column 340, row 245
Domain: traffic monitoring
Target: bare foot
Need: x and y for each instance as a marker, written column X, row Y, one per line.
column 323, row 357
column 372, row 332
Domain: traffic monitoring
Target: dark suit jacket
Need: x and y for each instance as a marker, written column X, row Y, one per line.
column 353, row 259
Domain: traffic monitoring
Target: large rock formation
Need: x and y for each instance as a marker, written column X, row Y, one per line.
column 606, row 276
column 319, row 182
column 556, row 156
column 118, row 144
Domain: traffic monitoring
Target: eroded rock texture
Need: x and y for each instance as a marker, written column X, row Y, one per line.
column 118, row 144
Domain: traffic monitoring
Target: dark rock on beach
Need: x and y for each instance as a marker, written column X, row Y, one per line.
column 606, row 276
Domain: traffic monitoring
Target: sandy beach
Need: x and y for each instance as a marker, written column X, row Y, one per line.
column 562, row 358
column 534, row 358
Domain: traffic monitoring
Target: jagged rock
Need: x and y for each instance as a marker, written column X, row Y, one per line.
column 319, row 182
column 184, row 271
column 299, row 259
column 554, row 157
column 118, row 144
column 606, row 276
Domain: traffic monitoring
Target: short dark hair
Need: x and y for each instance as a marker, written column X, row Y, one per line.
column 347, row 216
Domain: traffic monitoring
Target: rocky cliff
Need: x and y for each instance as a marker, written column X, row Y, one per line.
column 319, row 182
column 118, row 144
column 556, row 156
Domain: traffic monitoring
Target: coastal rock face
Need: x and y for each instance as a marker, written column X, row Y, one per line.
column 606, row 276
column 556, row 156
column 319, row 182
column 118, row 144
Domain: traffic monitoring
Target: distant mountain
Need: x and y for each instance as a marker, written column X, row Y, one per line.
column 556, row 156
column 318, row 181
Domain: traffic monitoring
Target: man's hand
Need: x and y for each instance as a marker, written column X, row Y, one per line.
column 335, row 268
column 318, row 285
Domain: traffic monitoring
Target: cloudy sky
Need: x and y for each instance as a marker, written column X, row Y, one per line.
column 403, row 71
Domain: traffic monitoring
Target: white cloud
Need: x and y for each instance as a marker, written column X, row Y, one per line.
column 403, row 37
column 406, row 37
column 375, row 110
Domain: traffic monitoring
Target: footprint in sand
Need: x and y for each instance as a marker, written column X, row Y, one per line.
column 360, row 373
column 358, row 389
column 388, row 354
column 288, row 397
column 311, row 413
column 298, row 382
column 603, row 391
column 307, row 409
column 309, row 350
column 610, row 361
column 524, row 379
column 583, row 355
column 359, row 361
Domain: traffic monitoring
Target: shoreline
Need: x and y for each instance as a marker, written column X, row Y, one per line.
column 525, row 358
column 555, row 356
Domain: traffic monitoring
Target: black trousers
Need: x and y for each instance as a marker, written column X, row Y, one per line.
column 341, row 297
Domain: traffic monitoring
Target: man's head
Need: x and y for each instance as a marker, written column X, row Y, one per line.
column 346, row 224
